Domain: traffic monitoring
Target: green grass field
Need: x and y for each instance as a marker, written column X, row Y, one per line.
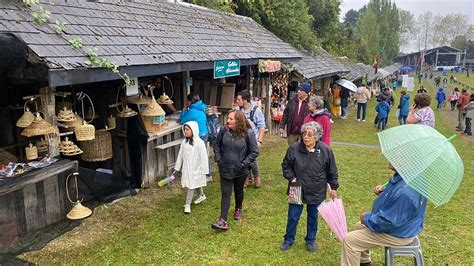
column 151, row 227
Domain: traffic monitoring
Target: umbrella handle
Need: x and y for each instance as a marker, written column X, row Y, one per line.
column 329, row 190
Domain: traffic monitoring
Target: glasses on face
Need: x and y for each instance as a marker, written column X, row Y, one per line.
column 308, row 134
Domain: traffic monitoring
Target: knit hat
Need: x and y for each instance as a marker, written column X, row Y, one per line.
column 306, row 87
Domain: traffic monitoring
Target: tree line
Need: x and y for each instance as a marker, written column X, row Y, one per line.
column 379, row 28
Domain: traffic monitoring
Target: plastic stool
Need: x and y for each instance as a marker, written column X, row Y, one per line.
column 411, row 250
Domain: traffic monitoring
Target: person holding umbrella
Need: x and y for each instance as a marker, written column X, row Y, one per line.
column 310, row 164
column 422, row 172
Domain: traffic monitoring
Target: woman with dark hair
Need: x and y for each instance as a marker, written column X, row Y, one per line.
column 421, row 113
column 235, row 149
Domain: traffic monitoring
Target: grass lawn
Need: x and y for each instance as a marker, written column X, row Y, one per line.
column 151, row 227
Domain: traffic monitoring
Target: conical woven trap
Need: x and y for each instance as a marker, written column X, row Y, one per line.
column 39, row 127
column 26, row 119
column 66, row 115
column 153, row 109
column 68, row 148
column 74, row 123
column 164, row 99
column 127, row 112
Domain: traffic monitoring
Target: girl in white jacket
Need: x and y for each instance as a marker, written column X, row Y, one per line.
column 193, row 163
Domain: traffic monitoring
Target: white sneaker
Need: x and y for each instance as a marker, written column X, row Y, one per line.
column 187, row 208
column 358, row 120
column 200, row 199
column 363, row 120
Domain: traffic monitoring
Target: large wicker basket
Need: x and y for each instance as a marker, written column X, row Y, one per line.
column 98, row 149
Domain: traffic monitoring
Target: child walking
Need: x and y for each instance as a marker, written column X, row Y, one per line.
column 382, row 108
column 193, row 163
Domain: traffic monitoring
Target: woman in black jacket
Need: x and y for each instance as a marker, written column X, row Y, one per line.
column 235, row 149
column 311, row 164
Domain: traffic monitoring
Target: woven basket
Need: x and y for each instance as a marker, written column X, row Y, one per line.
column 38, row 127
column 68, row 148
column 98, row 149
column 43, row 146
column 84, row 132
column 73, row 124
column 111, row 122
column 153, row 124
column 66, row 115
column 31, row 152
column 26, row 119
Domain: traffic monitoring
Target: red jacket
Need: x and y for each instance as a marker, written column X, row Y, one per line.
column 324, row 121
column 463, row 100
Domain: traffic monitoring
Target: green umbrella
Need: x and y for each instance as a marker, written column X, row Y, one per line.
column 425, row 159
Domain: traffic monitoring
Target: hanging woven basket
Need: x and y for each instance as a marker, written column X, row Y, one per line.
column 66, row 115
column 84, row 132
column 31, row 152
column 68, row 148
column 111, row 122
column 98, row 149
column 39, row 127
column 26, row 119
column 73, row 124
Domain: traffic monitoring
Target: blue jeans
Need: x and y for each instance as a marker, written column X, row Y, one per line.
column 362, row 106
column 382, row 123
column 205, row 138
column 344, row 111
column 402, row 119
column 294, row 213
column 440, row 104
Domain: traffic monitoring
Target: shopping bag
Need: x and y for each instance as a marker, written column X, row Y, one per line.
column 294, row 194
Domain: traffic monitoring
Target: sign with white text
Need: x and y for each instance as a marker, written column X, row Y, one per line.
column 226, row 68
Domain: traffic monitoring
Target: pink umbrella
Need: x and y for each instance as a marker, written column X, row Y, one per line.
column 334, row 215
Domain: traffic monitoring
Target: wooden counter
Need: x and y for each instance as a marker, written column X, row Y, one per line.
column 32, row 201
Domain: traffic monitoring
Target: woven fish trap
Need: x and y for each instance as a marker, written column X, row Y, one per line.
column 98, row 149
column 66, row 115
column 39, row 127
column 84, row 132
column 26, row 119
column 68, row 148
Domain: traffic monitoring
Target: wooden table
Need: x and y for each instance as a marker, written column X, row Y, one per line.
column 32, row 201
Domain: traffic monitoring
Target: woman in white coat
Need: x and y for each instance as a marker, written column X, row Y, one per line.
column 193, row 163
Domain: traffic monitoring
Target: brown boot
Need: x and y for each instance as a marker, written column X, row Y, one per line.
column 258, row 182
column 248, row 182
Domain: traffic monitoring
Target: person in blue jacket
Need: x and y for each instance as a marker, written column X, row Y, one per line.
column 404, row 107
column 396, row 218
column 440, row 97
column 196, row 111
column 382, row 108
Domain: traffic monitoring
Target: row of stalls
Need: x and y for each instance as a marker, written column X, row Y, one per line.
column 74, row 131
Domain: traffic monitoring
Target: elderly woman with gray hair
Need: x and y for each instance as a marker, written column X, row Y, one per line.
column 320, row 115
column 310, row 164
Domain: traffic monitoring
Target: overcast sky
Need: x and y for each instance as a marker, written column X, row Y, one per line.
column 418, row 7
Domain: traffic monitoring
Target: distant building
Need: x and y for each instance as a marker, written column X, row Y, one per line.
column 443, row 56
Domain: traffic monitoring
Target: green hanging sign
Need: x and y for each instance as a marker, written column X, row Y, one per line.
column 226, row 68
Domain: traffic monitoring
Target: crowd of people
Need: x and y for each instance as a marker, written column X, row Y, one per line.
column 398, row 212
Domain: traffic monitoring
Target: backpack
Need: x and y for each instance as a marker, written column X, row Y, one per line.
column 252, row 114
column 213, row 126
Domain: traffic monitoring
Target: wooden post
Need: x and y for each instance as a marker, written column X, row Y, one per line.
column 186, row 87
column 48, row 105
column 436, row 60
column 268, row 100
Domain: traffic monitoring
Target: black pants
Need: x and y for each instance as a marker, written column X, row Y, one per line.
column 226, row 190
column 468, row 130
column 453, row 105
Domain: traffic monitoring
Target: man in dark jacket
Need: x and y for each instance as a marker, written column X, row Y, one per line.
column 310, row 164
column 294, row 114
column 345, row 94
